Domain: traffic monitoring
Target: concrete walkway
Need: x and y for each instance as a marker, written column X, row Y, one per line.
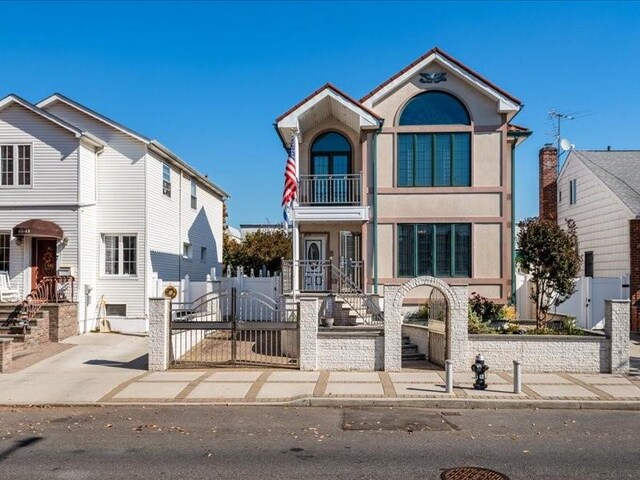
column 111, row 369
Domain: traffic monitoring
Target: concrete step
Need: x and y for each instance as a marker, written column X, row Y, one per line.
column 413, row 356
column 409, row 348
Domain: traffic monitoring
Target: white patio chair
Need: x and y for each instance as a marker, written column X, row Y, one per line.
column 7, row 294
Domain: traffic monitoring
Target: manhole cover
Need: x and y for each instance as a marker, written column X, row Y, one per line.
column 472, row 473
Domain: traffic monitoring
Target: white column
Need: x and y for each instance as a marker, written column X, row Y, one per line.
column 296, row 231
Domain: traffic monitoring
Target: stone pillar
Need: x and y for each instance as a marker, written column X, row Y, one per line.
column 159, row 333
column 392, row 329
column 634, row 272
column 6, row 354
column 548, row 164
column 616, row 328
column 308, row 319
column 458, row 334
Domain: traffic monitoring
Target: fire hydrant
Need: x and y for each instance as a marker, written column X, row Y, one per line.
column 479, row 368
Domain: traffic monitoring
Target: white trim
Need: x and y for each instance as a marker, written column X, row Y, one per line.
column 10, row 99
column 505, row 105
column 331, row 214
column 15, row 185
column 291, row 120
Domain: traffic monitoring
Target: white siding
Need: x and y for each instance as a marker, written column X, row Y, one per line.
column 121, row 204
column 53, row 194
column 88, row 268
column 601, row 218
column 88, row 173
column 172, row 222
column 54, row 159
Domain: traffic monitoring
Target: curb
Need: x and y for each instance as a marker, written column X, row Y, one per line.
column 456, row 404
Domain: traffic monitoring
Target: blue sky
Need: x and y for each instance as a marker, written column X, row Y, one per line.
column 208, row 79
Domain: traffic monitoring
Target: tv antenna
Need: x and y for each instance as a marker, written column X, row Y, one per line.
column 563, row 145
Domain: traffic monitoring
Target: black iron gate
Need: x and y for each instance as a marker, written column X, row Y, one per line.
column 234, row 327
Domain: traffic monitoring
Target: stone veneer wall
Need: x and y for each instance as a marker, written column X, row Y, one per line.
column 350, row 350
column 63, row 320
column 419, row 336
column 6, row 354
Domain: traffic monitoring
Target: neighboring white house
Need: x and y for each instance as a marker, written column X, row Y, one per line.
column 114, row 208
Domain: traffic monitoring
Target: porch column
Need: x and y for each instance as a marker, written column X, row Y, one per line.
column 295, row 246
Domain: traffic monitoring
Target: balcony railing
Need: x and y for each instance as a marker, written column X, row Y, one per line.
column 330, row 189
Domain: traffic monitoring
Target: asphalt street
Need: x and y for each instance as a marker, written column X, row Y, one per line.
column 287, row 442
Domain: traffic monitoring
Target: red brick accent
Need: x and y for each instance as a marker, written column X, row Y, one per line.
column 634, row 281
column 548, row 161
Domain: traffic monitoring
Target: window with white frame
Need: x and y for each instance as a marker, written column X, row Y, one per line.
column 120, row 254
column 187, row 250
column 4, row 251
column 203, row 254
column 166, row 180
column 15, row 165
column 194, row 198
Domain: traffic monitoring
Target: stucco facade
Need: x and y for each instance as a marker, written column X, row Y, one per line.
column 372, row 127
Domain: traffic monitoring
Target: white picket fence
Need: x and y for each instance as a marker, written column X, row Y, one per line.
column 189, row 291
column 586, row 304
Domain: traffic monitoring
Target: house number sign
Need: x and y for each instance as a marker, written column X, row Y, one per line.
column 21, row 231
column 436, row 77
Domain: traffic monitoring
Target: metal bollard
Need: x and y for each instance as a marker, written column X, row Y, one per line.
column 517, row 376
column 448, row 367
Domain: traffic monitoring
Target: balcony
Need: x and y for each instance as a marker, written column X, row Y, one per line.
column 331, row 198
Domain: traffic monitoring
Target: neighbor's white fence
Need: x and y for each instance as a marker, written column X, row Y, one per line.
column 587, row 302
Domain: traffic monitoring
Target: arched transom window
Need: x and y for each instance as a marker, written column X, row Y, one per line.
column 331, row 155
column 434, row 159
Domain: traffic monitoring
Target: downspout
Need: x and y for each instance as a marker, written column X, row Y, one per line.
column 374, row 155
column 513, row 223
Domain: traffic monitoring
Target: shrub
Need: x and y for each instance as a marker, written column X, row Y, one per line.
column 483, row 308
column 476, row 324
column 508, row 313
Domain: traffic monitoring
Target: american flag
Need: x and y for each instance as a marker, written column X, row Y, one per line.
column 290, row 177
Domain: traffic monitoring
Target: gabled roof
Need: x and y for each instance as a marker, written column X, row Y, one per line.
column 58, row 97
column 13, row 99
column 508, row 101
column 618, row 169
column 342, row 93
column 153, row 145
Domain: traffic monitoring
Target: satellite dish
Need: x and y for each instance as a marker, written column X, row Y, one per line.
column 565, row 144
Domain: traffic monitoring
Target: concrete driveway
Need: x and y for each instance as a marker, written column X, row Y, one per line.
column 96, row 364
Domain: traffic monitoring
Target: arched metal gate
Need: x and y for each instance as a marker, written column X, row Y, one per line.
column 234, row 327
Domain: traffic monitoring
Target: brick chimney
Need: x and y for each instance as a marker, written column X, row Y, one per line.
column 548, row 159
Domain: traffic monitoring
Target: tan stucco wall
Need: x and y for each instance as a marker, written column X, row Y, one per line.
column 333, row 232
column 483, row 110
column 386, row 160
column 487, row 159
column 432, row 206
column 386, row 251
column 487, row 253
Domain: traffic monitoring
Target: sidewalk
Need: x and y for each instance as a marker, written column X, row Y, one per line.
column 111, row 369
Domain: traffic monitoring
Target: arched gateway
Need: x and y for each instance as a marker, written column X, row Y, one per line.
column 457, row 297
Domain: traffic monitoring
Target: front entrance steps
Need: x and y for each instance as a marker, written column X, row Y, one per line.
column 345, row 315
column 25, row 338
column 410, row 351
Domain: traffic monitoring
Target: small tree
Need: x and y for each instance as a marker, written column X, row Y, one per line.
column 549, row 254
column 258, row 249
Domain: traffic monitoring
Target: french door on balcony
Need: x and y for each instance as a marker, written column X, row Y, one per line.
column 330, row 166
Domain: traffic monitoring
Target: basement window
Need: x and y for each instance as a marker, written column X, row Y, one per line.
column 116, row 310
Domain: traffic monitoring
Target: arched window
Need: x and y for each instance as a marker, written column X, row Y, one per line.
column 435, row 108
column 331, row 155
column 435, row 159
column 330, row 169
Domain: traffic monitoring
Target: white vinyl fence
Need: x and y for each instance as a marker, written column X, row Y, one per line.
column 586, row 304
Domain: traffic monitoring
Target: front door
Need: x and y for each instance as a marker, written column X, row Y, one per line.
column 350, row 258
column 314, row 271
column 43, row 259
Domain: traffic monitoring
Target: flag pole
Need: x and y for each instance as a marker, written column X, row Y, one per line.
column 294, row 223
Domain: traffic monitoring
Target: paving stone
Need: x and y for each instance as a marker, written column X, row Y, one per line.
column 354, row 389
column 220, row 390
column 494, row 390
column 152, row 390
column 415, row 377
column 418, row 389
column 603, row 379
column 285, row 390
column 293, row 376
column 233, row 376
column 354, row 377
column 562, row 391
column 621, row 391
column 544, row 379
column 172, row 376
